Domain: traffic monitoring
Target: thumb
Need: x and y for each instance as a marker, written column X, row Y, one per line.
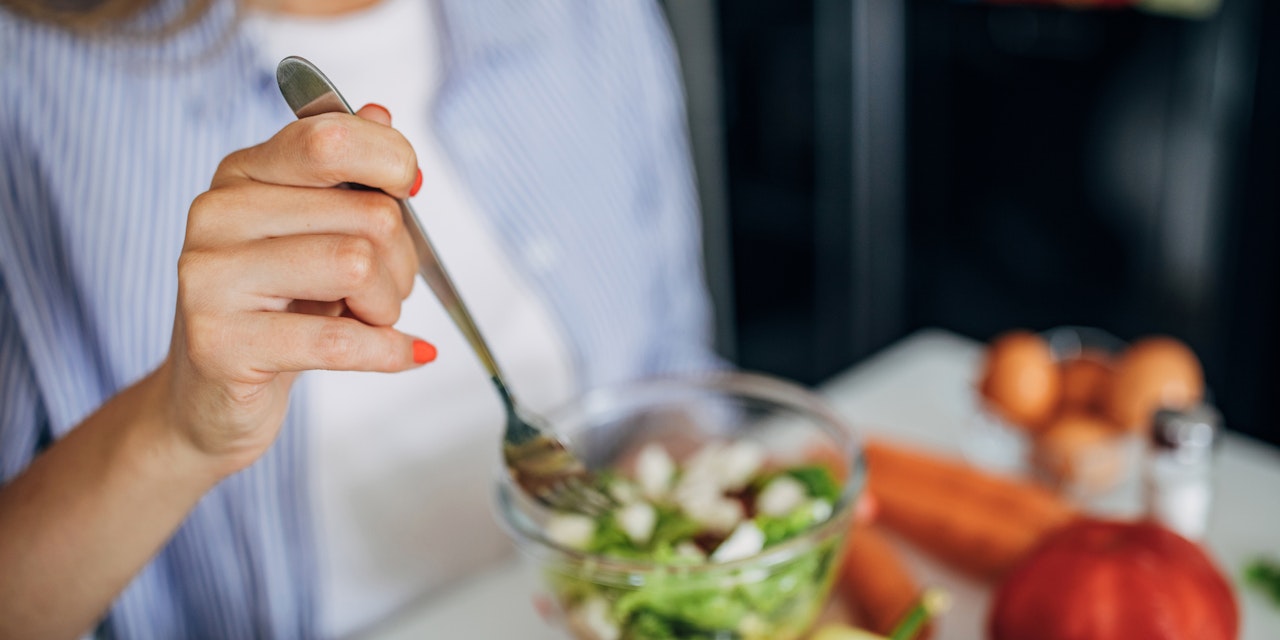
column 376, row 113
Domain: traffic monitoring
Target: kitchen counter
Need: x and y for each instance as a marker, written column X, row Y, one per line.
column 920, row 391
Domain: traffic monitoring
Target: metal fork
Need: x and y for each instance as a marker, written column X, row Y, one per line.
column 536, row 458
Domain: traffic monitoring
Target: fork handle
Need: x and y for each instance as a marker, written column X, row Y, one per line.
column 309, row 92
column 437, row 278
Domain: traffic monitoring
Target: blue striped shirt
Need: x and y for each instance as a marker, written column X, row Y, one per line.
column 104, row 143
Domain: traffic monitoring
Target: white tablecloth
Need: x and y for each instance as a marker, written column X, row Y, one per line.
column 919, row 391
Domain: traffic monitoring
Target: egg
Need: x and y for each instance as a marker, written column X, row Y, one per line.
column 1020, row 379
column 1079, row 453
column 1153, row 373
column 1085, row 382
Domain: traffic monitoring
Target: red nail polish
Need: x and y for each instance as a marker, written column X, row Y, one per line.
column 423, row 351
column 417, row 184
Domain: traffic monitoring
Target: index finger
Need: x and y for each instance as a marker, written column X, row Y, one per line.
column 327, row 150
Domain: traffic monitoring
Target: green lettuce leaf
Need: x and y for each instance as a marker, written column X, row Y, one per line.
column 818, row 481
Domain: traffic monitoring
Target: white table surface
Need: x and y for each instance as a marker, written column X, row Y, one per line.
column 920, row 391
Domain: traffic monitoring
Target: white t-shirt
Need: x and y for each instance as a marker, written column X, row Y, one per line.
column 403, row 464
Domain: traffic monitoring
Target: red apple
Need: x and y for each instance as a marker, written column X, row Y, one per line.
column 1100, row 580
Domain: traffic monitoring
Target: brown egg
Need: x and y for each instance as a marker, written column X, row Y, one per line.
column 1085, row 381
column 1020, row 379
column 1079, row 454
column 1153, row 373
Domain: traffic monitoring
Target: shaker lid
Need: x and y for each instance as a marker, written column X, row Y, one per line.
column 1189, row 432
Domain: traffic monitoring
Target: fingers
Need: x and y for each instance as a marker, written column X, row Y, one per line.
column 317, row 308
column 281, row 273
column 269, row 274
column 269, row 342
column 255, row 211
column 290, row 342
column 325, row 151
column 375, row 112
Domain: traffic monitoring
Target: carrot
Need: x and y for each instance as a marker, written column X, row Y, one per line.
column 876, row 582
column 978, row 522
column 958, row 533
column 896, row 464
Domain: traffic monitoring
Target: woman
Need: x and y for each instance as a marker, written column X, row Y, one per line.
column 173, row 255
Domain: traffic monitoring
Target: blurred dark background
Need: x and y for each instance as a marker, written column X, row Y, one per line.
column 872, row 167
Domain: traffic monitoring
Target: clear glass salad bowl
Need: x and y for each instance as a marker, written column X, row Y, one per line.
column 775, row 593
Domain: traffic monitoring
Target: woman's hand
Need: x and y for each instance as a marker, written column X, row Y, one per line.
column 281, row 273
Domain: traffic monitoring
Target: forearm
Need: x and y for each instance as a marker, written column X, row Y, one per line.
column 90, row 512
column 268, row 255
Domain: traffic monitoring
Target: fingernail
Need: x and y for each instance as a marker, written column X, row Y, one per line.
column 423, row 351
column 384, row 109
column 417, row 184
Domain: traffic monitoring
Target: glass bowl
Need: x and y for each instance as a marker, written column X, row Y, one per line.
column 775, row 594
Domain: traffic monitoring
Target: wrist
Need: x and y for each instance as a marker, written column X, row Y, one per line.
column 157, row 444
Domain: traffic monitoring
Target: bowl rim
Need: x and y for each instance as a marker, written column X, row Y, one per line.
column 756, row 386
column 1067, row 342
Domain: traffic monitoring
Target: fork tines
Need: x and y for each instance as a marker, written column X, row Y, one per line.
column 574, row 493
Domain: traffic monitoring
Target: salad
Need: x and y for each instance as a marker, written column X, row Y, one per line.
column 723, row 504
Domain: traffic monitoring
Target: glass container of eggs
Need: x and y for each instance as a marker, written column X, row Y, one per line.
column 1072, row 408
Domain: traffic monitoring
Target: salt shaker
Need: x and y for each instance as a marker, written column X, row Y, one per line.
column 1178, row 474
